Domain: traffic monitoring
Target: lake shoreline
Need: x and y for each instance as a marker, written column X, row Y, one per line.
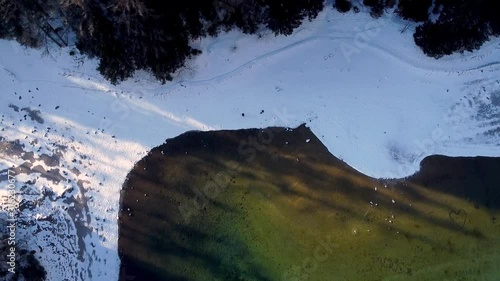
column 252, row 204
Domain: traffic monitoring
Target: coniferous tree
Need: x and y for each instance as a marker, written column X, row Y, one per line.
column 285, row 16
column 343, row 6
column 18, row 22
column 376, row 6
column 444, row 38
column 128, row 35
column 9, row 12
column 489, row 10
column 462, row 26
column 312, row 8
column 415, row 10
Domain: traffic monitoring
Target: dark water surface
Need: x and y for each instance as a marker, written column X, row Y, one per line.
column 274, row 204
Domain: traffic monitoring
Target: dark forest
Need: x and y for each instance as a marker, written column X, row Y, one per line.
column 130, row 35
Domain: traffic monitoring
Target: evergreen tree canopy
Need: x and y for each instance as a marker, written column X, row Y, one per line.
column 151, row 35
column 415, row 10
column 343, row 6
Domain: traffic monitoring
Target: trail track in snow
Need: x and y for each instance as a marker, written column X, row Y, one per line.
column 414, row 63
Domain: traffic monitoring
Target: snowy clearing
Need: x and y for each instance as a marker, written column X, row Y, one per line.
column 363, row 87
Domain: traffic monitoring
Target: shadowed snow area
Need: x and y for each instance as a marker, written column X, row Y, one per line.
column 361, row 85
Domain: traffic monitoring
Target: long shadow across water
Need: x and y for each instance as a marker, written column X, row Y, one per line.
column 274, row 204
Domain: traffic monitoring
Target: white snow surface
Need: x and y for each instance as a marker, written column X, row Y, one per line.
column 363, row 87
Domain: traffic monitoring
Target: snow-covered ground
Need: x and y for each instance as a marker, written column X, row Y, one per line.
column 360, row 84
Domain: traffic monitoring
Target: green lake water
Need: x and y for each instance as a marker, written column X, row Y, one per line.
column 267, row 205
